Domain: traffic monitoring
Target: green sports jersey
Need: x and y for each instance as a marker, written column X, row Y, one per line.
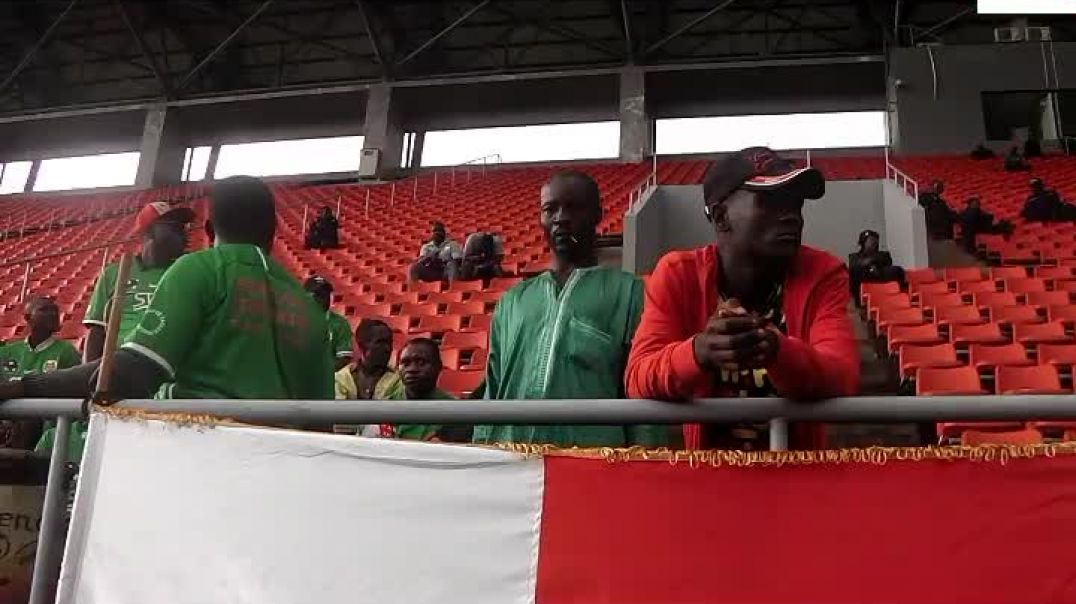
column 18, row 358
column 141, row 286
column 339, row 334
column 229, row 322
column 566, row 342
column 415, row 431
column 76, row 440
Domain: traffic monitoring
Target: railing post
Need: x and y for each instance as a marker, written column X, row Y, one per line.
column 808, row 158
column 22, row 229
column 104, row 259
column 453, row 176
column 25, row 282
column 435, row 183
column 392, row 196
column 367, row 201
column 414, row 190
column 339, row 199
column 47, row 558
column 778, row 434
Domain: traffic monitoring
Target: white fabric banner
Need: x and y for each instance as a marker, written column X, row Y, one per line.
column 222, row 514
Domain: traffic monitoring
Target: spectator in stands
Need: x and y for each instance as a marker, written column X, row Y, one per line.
column 162, row 231
column 975, row 221
column 321, row 290
column 1014, row 162
column 420, row 368
column 482, row 256
column 565, row 333
column 41, row 352
column 871, row 265
column 1045, row 205
column 757, row 313
column 370, row 377
column 981, row 151
column 226, row 322
column 438, row 259
column 323, row 233
column 940, row 218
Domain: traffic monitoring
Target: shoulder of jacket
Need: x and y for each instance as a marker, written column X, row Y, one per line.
column 815, row 262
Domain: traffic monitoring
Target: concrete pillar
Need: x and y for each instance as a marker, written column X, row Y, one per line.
column 211, row 165
column 162, row 149
column 636, row 127
column 382, row 129
column 416, row 149
column 31, row 177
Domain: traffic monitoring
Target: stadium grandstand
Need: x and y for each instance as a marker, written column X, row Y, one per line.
column 817, row 252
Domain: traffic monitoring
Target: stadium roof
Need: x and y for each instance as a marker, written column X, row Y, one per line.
column 62, row 53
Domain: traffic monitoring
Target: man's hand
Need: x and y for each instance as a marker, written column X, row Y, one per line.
column 10, row 390
column 735, row 339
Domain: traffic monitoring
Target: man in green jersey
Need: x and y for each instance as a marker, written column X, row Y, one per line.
column 420, row 368
column 40, row 352
column 162, row 231
column 565, row 333
column 339, row 329
column 226, row 322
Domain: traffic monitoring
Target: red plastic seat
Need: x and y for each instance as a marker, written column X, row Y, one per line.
column 900, row 335
column 396, row 323
column 921, row 275
column 465, row 339
column 971, row 438
column 460, row 383
column 1063, row 312
column 1033, row 379
column 489, row 296
column 1058, row 355
column 866, row 290
column 426, row 287
column 418, row 310
column 1045, row 299
column 1008, row 315
column 976, row 287
column 503, row 284
column 962, row 273
column 994, row 299
column 947, row 381
column 958, row 315
column 454, row 358
column 477, row 322
column 1040, row 333
column 439, row 323
column 1053, row 272
column 465, row 286
column 466, row 308
column 1025, row 285
column 987, row 333
column 933, row 287
column 1008, row 272
column 912, row 358
column 444, row 297
column 983, row 356
column 928, row 300
column 368, row 310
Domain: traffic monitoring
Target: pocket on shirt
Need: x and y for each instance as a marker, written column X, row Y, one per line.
column 590, row 346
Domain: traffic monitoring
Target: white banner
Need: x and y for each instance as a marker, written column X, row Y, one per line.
column 177, row 515
column 1027, row 7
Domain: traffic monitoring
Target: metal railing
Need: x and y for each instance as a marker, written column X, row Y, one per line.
column 589, row 412
column 648, row 184
column 31, row 261
column 905, row 182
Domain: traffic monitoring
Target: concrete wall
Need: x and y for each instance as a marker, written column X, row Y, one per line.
column 671, row 218
column 953, row 120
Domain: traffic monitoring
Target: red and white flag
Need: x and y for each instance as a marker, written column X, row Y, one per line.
column 198, row 514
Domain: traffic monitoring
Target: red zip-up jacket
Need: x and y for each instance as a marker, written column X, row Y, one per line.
column 818, row 358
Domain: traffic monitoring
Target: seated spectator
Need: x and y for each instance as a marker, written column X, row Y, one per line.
column 323, row 232
column 1032, row 147
column 1014, row 162
column 981, row 151
column 420, row 368
column 939, row 217
column 974, row 221
column 438, row 259
column 482, row 256
column 370, row 377
column 339, row 329
column 1045, row 205
column 871, row 265
column 40, row 352
column 756, row 314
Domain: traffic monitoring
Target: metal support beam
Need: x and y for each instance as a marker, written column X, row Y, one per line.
column 375, row 43
column 30, row 54
column 629, row 43
column 936, row 28
column 444, row 32
column 223, row 45
column 560, row 30
column 162, row 80
column 691, row 24
column 49, row 543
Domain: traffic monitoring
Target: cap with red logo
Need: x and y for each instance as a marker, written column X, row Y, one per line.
column 759, row 169
column 160, row 210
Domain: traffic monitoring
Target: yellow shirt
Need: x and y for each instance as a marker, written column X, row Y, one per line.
column 346, row 389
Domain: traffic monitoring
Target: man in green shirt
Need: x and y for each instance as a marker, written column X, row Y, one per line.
column 162, row 231
column 321, row 290
column 226, row 322
column 565, row 334
column 420, row 368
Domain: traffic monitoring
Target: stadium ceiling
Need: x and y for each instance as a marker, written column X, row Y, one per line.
column 64, row 53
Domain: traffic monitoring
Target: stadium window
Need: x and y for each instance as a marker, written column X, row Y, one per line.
column 13, row 176
column 290, row 157
column 87, row 171
column 195, row 163
column 550, row 142
column 790, row 131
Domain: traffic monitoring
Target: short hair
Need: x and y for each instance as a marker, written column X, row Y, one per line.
column 591, row 192
column 35, row 302
column 365, row 330
column 243, row 210
column 317, row 283
column 438, row 225
column 429, row 344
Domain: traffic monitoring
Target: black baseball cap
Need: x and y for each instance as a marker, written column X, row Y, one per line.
column 868, row 233
column 317, row 283
column 759, row 169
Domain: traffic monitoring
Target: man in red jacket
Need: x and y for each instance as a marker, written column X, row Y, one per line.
column 756, row 314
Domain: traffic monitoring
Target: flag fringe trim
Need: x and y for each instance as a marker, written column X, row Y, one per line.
column 991, row 453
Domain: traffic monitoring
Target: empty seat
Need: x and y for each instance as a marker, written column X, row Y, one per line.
column 1062, row 312
column 920, row 275
column 929, row 300
column 987, row 333
column 465, row 286
column 460, row 383
column 465, row 339
column 1058, row 355
column 368, row 310
column 950, row 381
column 974, row 287
column 473, row 307
column 866, row 290
column 983, row 356
column 1033, row 379
column 912, row 358
column 477, row 322
column 503, row 283
column 444, row 297
column 1037, row 333
column 438, row 323
column 900, row 335
column 994, row 299
column 425, row 286
column 418, row 310
column 962, row 273
column 1046, row 299
column 958, row 315
column 1008, row 315
column 1008, row 272
column 456, row 359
